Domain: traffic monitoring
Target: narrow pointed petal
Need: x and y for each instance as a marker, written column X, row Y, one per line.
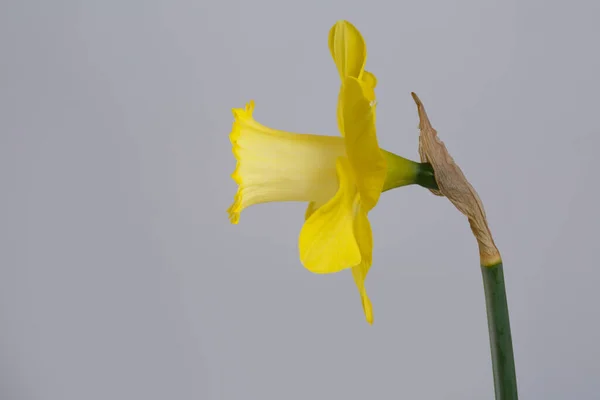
column 359, row 273
column 367, row 160
column 348, row 49
column 327, row 243
column 364, row 238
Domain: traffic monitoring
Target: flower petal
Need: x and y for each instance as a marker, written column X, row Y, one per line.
column 312, row 207
column 327, row 243
column 368, row 163
column 370, row 82
column 274, row 165
column 364, row 238
column 348, row 49
column 339, row 113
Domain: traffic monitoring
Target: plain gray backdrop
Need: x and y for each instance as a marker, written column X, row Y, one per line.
column 121, row 277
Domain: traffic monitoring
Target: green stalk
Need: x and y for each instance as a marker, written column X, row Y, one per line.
column 402, row 172
column 426, row 177
column 503, row 362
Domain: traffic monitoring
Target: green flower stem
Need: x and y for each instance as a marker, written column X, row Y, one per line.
column 426, row 177
column 402, row 172
column 503, row 363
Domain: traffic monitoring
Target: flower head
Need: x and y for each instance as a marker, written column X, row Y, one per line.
column 340, row 177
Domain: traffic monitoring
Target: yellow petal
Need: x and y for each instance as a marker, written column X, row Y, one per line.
column 327, row 243
column 339, row 112
column 364, row 238
column 312, row 207
column 369, row 79
column 275, row 165
column 368, row 163
column 370, row 82
column 360, row 273
column 348, row 49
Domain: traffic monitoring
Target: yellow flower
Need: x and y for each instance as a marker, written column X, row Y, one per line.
column 340, row 177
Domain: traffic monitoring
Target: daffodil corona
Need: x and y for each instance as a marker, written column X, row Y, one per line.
column 341, row 178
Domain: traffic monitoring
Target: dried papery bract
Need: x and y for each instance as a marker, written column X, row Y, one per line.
column 453, row 184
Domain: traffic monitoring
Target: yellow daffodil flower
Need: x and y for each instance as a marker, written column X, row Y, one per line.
column 340, row 177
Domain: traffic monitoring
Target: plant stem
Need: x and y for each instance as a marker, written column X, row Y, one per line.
column 402, row 172
column 426, row 177
column 503, row 363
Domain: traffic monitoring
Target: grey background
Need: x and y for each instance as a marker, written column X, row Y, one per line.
column 121, row 277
